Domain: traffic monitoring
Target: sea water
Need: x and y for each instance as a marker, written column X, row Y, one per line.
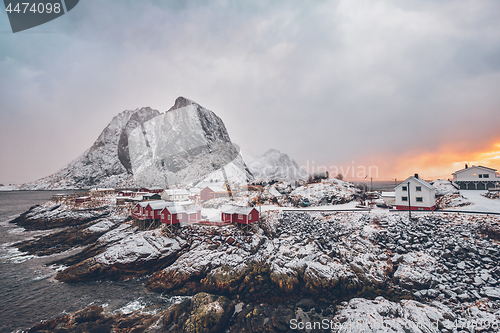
column 28, row 291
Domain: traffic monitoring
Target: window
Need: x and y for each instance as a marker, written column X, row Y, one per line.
column 480, row 176
column 486, row 175
column 420, row 199
column 404, row 198
column 168, row 217
column 419, row 188
column 405, row 188
column 240, row 217
column 162, row 216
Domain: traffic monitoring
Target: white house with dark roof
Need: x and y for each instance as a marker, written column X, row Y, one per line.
column 476, row 178
column 415, row 192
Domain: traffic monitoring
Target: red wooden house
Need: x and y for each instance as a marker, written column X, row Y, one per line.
column 154, row 208
column 151, row 189
column 125, row 193
column 212, row 192
column 176, row 214
column 139, row 211
column 237, row 214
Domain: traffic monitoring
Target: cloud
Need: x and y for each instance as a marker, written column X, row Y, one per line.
column 329, row 81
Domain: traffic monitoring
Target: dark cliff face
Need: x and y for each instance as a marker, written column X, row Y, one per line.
column 137, row 119
column 212, row 125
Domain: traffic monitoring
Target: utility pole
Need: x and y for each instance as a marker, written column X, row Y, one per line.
column 371, row 184
column 409, row 201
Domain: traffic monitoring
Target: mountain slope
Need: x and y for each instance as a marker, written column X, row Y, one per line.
column 275, row 165
column 99, row 166
column 144, row 147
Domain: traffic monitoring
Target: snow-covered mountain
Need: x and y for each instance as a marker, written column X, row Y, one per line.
column 185, row 144
column 275, row 165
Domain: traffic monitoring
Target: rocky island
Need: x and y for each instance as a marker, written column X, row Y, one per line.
column 292, row 270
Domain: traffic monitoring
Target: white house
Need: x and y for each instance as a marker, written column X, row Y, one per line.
column 178, row 194
column 417, row 193
column 476, row 178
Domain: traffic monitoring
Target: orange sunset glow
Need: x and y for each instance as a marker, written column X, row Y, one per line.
column 438, row 164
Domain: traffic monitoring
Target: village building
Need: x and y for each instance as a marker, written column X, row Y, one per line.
column 151, row 196
column 237, row 214
column 389, row 198
column 476, row 178
column 194, row 193
column 175, row 195
column 212, row 192
column 151, row 189
column 139, row 211
column 417, row 193
column 125, row 193
column 175, row 214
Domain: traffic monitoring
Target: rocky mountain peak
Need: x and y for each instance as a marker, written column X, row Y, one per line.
column 181, row 102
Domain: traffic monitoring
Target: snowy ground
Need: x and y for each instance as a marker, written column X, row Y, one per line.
column 8, row 188
column 479, row 202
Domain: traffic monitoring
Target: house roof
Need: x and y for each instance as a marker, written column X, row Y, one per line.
column 418, row 180
column 475, row 166
column 176, row 209
column 215, row 188
column 204, row 184
column 236, row 210
column 156, row 205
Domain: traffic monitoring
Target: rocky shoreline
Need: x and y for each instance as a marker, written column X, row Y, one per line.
column 339, row 267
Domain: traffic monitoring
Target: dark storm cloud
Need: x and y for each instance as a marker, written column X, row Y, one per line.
column 329, row 81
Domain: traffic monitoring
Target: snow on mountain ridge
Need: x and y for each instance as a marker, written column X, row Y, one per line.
column 183, row 146
column 98, row 165
column 107, row 162
column 275, row 165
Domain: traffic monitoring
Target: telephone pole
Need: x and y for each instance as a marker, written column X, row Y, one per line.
column 409, row 201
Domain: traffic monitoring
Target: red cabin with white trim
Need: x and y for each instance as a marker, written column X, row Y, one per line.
column 139, row 211
column 242, row 215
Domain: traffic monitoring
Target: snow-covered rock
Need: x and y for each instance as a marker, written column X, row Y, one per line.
column 144, row 147
column 444, row 187
column 329, row 192
column 381, row 315
column 183, row 146
column 275, row 165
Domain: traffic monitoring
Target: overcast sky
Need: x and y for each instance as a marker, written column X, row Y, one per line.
column 406, row 86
